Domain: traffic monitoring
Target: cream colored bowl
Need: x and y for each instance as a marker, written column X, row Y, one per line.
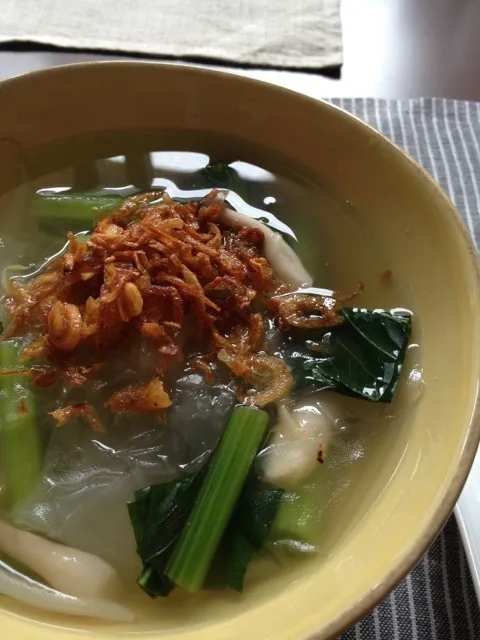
column 404, row 490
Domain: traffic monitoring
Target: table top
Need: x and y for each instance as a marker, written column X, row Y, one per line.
column 392, row 49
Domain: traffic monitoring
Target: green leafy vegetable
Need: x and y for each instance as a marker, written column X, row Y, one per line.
column 21, row 448
column 20, row 440
column 72, row 211
column 361, row 357
column 178, row 525
column 224, row 482
column 249, row 528
column 299, row 516
column 221, row 175
column 158, row 516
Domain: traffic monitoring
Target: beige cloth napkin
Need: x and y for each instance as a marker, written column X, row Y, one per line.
column 278, row 33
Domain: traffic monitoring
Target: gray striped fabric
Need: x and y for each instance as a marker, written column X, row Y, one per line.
column 436, row 601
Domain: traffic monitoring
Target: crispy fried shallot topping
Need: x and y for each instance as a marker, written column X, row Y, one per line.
column 150, row 397
column 64, row 324
column 305, row 311
column 270, row 377
column 76, row 375
column 164, row 270
column 84, row 410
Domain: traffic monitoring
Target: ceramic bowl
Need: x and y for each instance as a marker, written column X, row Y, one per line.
column 401, row 493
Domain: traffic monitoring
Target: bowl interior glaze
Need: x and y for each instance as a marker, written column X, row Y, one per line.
column 406, row 487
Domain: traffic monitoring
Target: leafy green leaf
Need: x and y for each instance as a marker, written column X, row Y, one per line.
column 240, row 552
column 249, row 528
column 158, row 515
column 220, row 174
column 155, row 583
column 361, row 357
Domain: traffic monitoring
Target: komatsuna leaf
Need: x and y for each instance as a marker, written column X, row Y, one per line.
column 249, row 528
column 361, row 357
column 222, row 175
column 158, row 515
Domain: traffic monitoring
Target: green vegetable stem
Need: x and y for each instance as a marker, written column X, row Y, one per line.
column 298, row 519
column 72, row 211
column 217, row 499
column 21, row 451
column 249, row 528
column 158, row 516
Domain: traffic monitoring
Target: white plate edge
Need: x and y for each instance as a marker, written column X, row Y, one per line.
column 467, row 513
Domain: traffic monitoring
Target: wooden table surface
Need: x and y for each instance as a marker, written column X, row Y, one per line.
column 392, row 49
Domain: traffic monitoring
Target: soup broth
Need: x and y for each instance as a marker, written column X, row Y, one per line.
column 88, row 477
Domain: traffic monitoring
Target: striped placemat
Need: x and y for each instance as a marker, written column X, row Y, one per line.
column 437, row 600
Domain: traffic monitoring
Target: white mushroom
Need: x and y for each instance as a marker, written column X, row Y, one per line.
column 71, row 571
column 282, row 258
column 300, row 439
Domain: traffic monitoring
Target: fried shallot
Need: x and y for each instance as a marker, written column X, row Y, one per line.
column 150, row 397
column 169, row 272
column 63, row 415
column 269, row 376
column 305, row 311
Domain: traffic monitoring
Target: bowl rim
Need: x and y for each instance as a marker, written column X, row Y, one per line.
column 411, row 555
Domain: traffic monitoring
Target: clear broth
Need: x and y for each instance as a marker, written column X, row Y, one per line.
column 332, row 245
